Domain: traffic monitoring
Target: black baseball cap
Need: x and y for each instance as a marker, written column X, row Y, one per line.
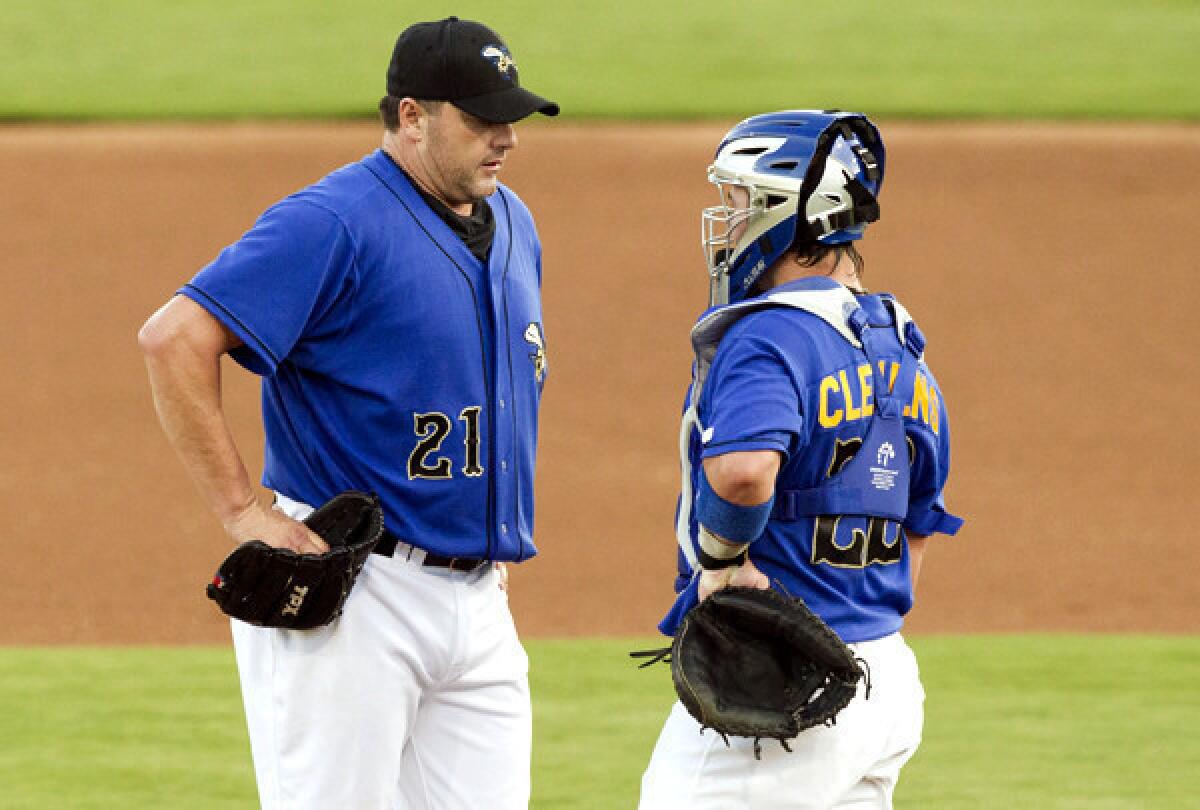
column 465, row 63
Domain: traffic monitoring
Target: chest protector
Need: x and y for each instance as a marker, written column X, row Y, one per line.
column 875, row 482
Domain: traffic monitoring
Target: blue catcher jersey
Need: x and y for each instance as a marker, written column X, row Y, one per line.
column 393, row 360
column 835, row 383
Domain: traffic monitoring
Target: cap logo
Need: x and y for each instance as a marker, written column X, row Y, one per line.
column 500, row 58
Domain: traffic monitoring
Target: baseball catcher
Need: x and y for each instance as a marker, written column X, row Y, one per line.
column 276, row 587
column 814, row 450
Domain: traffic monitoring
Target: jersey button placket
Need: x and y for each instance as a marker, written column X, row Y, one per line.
column 505, row 486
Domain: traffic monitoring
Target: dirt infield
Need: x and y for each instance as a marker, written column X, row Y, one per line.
column 1048, row 265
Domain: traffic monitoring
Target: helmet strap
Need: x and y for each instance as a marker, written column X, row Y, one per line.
column 866, row 207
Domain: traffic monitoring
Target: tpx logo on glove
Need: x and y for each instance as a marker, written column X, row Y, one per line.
column 295, row 600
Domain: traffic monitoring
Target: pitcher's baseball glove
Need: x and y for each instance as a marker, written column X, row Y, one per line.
column 754, row 663
column 276, row 587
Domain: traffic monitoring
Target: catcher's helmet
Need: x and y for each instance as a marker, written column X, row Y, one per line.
column 771, row 167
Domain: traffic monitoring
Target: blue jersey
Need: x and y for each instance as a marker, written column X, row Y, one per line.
column 393, row 360
column 799, row 382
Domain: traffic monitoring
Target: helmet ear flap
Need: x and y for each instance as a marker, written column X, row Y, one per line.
column 759, row 257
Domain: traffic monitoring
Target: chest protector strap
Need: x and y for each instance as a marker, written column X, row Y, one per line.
column 875, row 481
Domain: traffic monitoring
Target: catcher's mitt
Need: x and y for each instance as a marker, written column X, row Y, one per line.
column 276, row 587
column 754, row 663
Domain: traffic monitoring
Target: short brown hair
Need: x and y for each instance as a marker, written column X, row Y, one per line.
column 389, row 110
column 808, row 254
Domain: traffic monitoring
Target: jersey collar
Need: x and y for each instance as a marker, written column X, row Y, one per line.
column 392, row 176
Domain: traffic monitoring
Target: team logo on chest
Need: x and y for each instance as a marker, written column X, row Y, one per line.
column 883, row 478
column 533, row 336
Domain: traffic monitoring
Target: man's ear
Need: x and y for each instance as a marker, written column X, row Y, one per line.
column 412, row 117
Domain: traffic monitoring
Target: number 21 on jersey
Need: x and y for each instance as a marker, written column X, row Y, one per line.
column 432, row 429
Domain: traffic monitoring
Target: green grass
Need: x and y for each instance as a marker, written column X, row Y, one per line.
column 1047, row 722
column 132, row 59
column 1057, row 723
column 122, row 728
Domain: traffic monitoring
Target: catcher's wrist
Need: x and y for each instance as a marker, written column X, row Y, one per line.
column 716, row 552
column 716, row 564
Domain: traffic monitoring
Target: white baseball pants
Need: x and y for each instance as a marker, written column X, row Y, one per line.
column 416, row 698
column 852, row 765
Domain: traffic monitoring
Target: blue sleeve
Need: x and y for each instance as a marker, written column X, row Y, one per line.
column 751, row 399
column 278, row 283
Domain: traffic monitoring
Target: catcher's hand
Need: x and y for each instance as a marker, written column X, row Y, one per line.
column 754, row 663
column 745, row 575
column 276, row 587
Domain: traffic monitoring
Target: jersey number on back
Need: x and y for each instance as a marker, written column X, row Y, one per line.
column 878, row 544
column 432, row 429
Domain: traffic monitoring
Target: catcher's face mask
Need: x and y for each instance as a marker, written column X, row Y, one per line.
column 731, row 229
column 721, row 226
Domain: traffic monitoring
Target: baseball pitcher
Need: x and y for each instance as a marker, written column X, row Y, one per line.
column 393, row 312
